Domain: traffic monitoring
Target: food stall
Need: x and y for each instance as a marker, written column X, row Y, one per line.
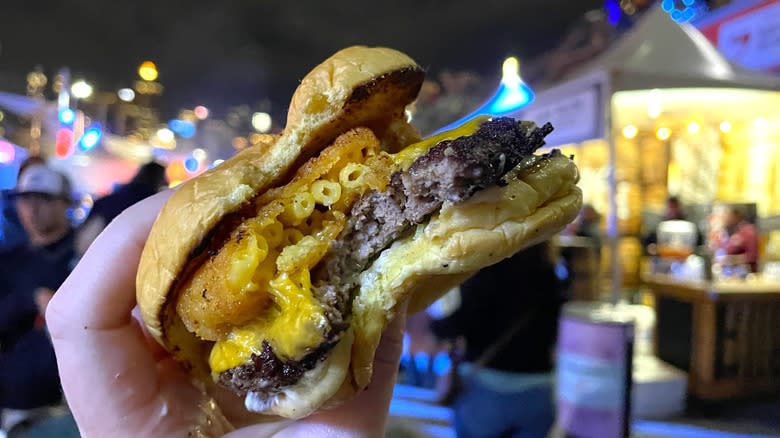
column 726, row 334
column 663, row 113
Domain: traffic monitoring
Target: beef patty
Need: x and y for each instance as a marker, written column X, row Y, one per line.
column 451, row 171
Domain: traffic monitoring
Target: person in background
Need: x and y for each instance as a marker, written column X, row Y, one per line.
column 673, row 212
column 508, row 317
column 29, row 378
column 742, row 241
column 12, row 234
column 587, row 225
column 149, row 179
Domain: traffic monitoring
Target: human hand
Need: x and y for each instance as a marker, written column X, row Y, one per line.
column 119, row 382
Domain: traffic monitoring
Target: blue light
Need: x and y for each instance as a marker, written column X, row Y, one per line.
column 191, row 165
column 67, row 116
column 422, row 361
column 685, row 12
column 182, row 128
column 90, row 138
column 441, row 363
column 508, row 98
column 612, row 7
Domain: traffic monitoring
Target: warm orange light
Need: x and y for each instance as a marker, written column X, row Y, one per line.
column 176, row 171
column 148, row 71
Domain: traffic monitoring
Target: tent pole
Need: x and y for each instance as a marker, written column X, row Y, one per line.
column 613, row 232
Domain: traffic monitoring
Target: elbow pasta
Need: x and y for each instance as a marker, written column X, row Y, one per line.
column 251, row 251
column 312, row 223
column 303, row 255
column 351, row 176
column 266, row 270
column 326, row 192
column 298, row 208
column 291, row 236
column 273, row 234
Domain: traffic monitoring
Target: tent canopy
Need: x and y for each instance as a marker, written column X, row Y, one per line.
column 656, row 53
column 659, row 53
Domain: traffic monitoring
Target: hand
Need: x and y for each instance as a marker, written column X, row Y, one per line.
column 120, row 383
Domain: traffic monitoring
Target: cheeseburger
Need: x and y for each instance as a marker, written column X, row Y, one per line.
column 275, row 273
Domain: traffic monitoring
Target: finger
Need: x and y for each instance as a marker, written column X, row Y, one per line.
column 376, row 398
column 154, row 347
column 100, row 293
column 102, row 354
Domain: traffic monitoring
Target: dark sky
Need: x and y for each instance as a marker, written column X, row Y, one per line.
column 222, row 53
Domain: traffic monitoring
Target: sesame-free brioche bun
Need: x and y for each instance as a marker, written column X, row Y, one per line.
column 356, row 87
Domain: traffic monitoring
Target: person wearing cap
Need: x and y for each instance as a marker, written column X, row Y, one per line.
column 28, row 276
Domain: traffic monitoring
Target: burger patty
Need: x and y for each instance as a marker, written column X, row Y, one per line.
column 451, row 171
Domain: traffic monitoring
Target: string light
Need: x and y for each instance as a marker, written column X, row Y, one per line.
column 725, row 126
column 663, row 133
column 630, row 131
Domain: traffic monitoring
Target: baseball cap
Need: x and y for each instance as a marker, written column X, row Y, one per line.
column 40, row 179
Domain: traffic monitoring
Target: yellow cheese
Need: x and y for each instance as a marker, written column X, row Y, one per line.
column 406, row 156
column 294, row 325
column 245, row 262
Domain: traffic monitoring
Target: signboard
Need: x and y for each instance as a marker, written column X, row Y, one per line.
column 576, row 116
column 748, row 36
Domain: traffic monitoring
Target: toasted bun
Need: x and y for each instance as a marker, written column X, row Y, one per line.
column 356, row 87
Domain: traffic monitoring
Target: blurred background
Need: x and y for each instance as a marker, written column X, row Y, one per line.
column 671, row 110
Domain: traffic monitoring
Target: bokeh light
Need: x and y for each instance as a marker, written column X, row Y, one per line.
column 126, row 94
column 7, row 152
column 81, row 90
column 201, row 112
column 261, row 122
column 148, row 71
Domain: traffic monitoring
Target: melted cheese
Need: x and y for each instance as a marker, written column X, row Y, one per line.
column 293, row 325
column 406, row 157
column 296, row 322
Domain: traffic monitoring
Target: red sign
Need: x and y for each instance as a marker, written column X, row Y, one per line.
column 749, row 36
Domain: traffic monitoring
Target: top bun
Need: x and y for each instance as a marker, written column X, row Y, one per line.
column 357, row 86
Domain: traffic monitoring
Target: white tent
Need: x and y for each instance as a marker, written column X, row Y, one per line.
column 656, row 53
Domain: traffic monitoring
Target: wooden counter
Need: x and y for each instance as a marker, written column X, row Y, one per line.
column 726, row 335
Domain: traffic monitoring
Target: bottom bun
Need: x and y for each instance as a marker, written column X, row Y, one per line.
column 315, row 388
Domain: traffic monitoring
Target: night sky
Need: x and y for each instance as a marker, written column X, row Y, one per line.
column 221, row 54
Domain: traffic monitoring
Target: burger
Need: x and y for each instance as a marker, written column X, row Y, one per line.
column 274, row 274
